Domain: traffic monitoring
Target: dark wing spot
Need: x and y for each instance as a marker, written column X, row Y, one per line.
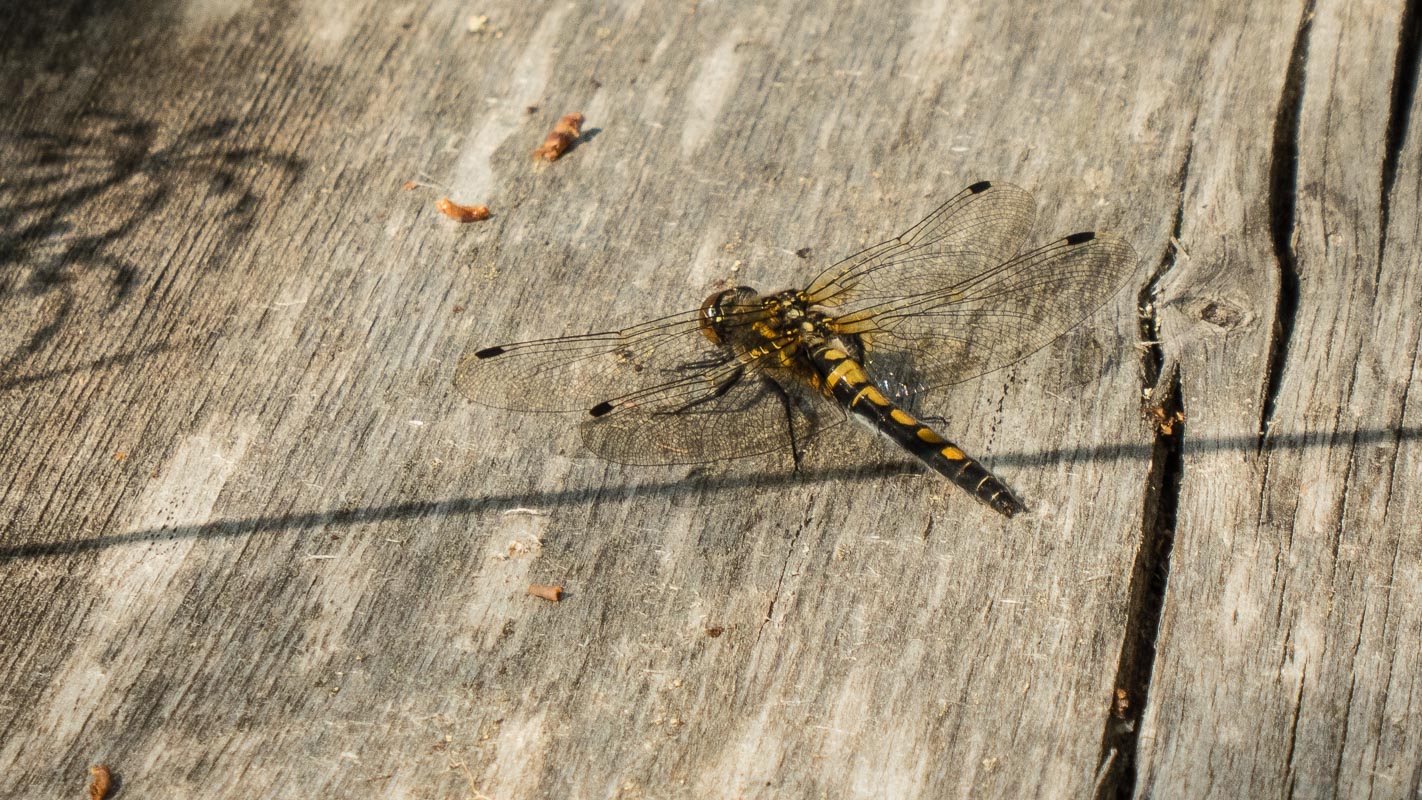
column 1081, row 238
column 600, row 409
column 980, row 187
column 489, row 352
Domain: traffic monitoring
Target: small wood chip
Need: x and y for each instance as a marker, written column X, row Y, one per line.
column 1163, row 420
column 561, row 138
column 1121, row 707
column 100, row 781
column 459, row 213
column 552, row 593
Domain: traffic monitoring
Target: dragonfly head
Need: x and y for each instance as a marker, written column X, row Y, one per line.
column 721, row 307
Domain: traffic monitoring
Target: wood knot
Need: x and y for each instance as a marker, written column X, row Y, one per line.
column 1222, row 314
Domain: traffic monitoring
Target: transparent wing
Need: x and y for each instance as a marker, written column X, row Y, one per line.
column 987, row 320
column 979, row 228
column 757, row 414
column 655, row 393
column 575, row 373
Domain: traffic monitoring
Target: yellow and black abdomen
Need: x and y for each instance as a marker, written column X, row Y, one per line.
column 845, row 381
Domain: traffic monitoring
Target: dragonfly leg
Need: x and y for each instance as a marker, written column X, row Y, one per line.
column 796, row 451
column 719, row 391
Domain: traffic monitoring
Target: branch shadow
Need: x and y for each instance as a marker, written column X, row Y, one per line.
column 467, row 506
column 103, row 362
column 58, row 225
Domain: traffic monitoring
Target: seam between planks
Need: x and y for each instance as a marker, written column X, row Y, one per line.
column 1120, row 738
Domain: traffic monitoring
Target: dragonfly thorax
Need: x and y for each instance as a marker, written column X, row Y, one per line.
column 744, row 316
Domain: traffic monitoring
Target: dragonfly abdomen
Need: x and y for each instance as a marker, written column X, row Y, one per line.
column 846, row 382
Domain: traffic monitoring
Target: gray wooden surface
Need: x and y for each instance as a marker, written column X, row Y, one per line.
column 252, row 543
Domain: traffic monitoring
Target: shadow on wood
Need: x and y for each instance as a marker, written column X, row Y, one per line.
column 227, row 528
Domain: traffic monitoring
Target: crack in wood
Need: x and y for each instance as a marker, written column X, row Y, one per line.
column 1283, row 201
column 1347, row 719
column 1294, row 732
column 1146, row 601
column 780, row 582
column 1116, row 773
column 1401, row 431
column 1399, row 113
column 1349, row 473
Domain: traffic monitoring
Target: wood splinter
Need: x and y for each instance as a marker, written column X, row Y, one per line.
column 101, row 779
column 550, row 593
column 460, row 213
column 561, row 138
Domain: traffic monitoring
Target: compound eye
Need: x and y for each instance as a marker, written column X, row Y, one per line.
column 711, row 316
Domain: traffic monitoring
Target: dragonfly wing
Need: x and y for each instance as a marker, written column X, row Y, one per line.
column 990, row 319
column 655, row 393
column 980, row 227
column 575, row 373
column 749, row 414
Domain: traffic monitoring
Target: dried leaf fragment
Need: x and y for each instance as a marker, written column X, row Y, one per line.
column 460, row 213
column 561, row 138
column 101, row 778
column 550, row 593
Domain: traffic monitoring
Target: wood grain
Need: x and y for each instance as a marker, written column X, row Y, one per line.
column 252, row 543
column 1288, row 652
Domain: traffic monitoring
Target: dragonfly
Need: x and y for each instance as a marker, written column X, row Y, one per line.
column 746, row 373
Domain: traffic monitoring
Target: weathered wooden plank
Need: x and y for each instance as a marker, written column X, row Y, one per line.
column 305, row 573
column 1288, row 647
